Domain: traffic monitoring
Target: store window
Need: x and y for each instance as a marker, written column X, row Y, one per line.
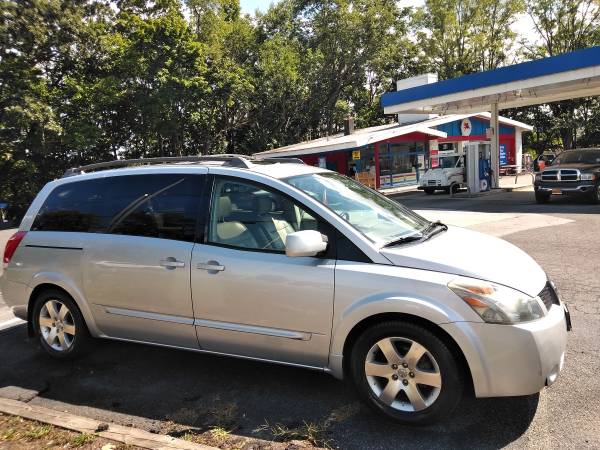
column 401, row 163
column 362, row 166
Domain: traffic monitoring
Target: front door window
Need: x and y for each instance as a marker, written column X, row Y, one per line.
column 248, row 216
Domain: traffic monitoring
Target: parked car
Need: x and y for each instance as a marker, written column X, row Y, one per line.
column 545, row 159
column 278, row 261
column 573, row 172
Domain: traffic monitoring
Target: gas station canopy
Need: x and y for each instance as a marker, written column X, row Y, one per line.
column 562, row 77
column 567, row 76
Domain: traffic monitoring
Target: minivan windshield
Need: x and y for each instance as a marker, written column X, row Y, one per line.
column 378, row 218
column 591, row 156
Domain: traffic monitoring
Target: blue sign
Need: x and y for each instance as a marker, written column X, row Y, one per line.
column 503, row 158
column 3, row 205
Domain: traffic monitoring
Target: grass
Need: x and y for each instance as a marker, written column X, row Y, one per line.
column 25, row 434
column 36, row 432
column 82, row 439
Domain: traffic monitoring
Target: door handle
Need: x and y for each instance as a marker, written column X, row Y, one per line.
column 211, row 266
column 171, row 263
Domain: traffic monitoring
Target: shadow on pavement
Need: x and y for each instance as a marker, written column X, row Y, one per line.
column 499, row 202
column 146, row 386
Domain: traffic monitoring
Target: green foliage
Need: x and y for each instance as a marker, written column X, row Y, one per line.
column 464, row 36
column 89, row 80
column 563, row 26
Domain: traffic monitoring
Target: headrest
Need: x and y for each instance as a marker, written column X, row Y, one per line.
column 263, row 204
column 223, row 207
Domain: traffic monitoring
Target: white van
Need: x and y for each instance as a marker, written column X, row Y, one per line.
column 449, row 174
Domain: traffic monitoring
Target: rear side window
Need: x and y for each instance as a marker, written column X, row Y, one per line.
column 73, row 206
column 162, row 206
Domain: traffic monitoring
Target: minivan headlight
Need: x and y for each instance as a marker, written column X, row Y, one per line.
column 496, row 303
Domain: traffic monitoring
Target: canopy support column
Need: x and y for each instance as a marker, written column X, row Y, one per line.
column 495, row 147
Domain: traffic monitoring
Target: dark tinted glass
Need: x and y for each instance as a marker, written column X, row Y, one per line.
column 163, row 206
column 73, row 206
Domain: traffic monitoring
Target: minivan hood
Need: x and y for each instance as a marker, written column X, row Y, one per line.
column 468, row 253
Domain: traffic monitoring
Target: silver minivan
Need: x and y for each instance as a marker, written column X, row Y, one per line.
column 278, row 261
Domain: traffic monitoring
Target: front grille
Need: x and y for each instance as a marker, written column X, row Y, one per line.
column 569, row 175
column 550, row 175
column 549, row 296
column 560, row 175
column 431, row 182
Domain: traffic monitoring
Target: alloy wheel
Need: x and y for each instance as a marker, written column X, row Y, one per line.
column 403, row 374
column 57, row 325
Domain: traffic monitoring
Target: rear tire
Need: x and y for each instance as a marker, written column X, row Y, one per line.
column 406, row 372
column 542, row 198
column 59, row 325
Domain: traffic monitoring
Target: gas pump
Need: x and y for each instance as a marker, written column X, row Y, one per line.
column 478, row 166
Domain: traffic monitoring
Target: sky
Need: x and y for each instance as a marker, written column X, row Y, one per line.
column 249, row 6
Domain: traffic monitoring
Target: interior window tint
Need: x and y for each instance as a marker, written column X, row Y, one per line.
column 72, row 207
column 248, row 216
column 160, row 206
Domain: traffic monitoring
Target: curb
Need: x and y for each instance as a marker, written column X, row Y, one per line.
column 118, row 433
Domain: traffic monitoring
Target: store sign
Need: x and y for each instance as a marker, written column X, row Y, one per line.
column 503, row 157
column 356, row 154
column 465, row 127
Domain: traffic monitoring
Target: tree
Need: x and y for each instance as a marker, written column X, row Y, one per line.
column 564, row 26
column 463, row 36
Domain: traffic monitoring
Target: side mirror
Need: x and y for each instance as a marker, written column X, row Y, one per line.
column 305, row 243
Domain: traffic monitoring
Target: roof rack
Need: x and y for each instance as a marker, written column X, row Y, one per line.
column 231, row 160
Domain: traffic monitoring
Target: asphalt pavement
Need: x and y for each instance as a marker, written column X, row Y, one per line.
column 149, row 387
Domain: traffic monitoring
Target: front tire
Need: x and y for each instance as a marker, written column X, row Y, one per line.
column 542, row 198
column 59, row 325
column 406, row 372
column 595, row 199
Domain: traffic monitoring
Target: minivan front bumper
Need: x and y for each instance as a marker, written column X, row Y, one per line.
column 510, row 360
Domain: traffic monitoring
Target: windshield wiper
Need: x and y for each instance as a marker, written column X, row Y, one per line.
column 434, row 228
column 404, row 239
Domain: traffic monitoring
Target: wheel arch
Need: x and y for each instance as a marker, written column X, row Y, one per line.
column 370, row 321
column 47, row 281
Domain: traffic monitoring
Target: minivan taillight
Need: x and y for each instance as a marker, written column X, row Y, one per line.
column 11, row 246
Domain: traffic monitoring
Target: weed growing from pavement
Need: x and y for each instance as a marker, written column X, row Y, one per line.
column 314, row 433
